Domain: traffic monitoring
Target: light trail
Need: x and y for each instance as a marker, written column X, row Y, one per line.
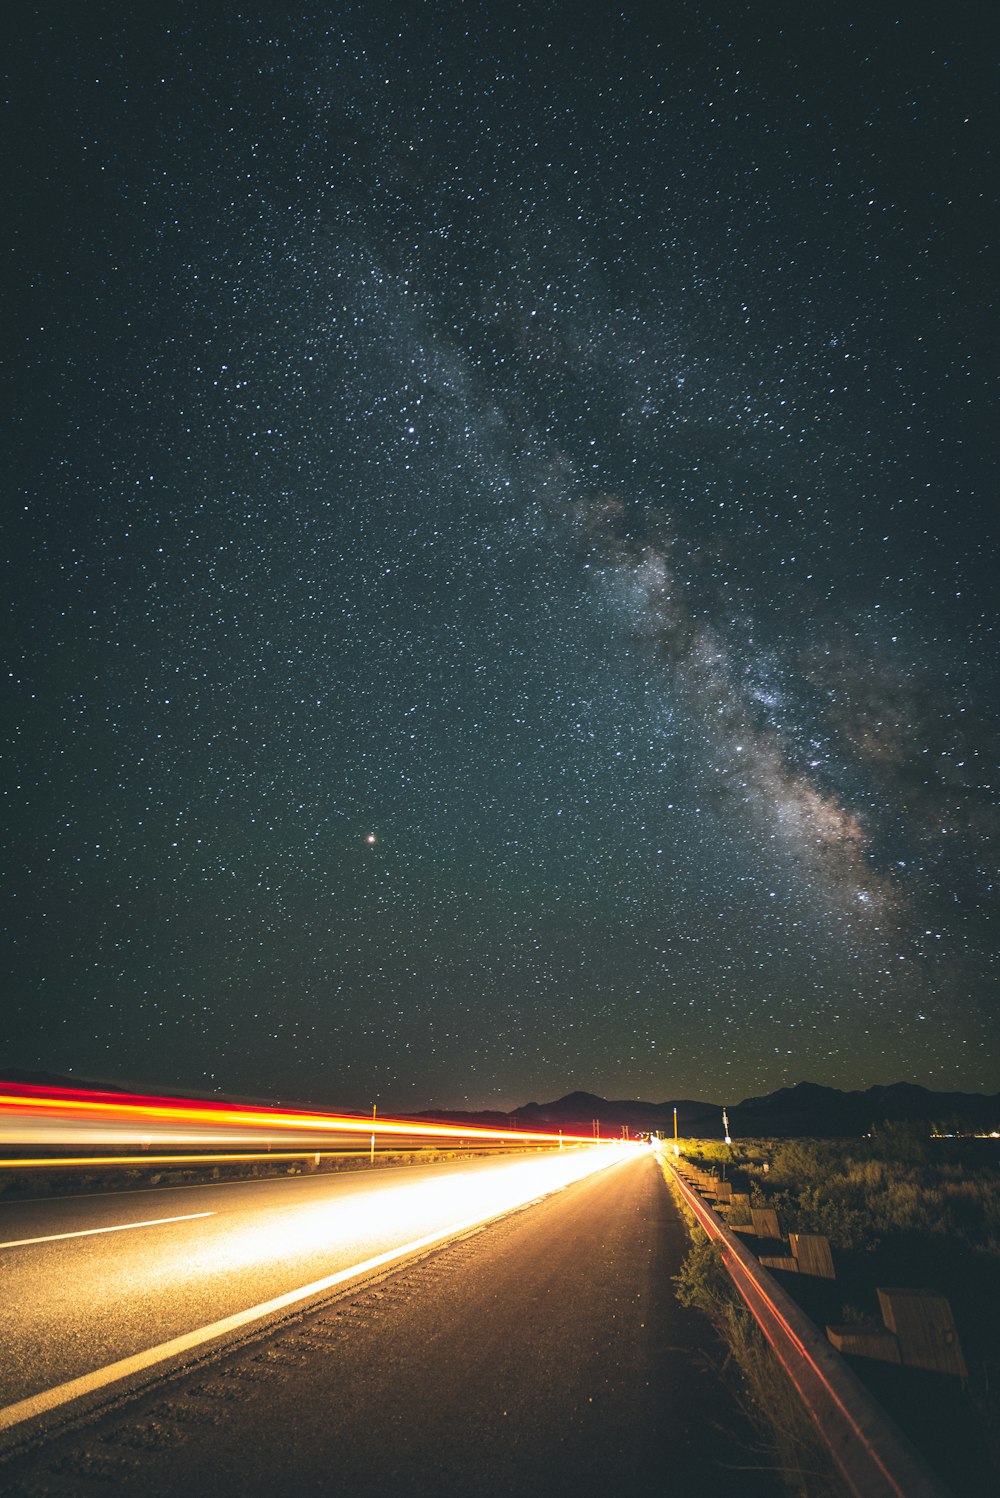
column 456, row 1205
column 33, row 1115
column 120, row 1227
column 38, row 1162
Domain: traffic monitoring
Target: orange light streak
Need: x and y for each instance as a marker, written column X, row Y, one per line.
column 28, row 1114
column 144, row 1159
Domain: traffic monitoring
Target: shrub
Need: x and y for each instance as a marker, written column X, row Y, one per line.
column 798, row 1453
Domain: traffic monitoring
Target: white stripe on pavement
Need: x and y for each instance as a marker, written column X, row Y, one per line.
column 122, row 1227
column 89, row 1383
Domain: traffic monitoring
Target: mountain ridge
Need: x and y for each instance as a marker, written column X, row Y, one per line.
column 803, row 1109
column 806, row 1108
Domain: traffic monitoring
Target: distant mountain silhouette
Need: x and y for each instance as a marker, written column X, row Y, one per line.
column 807, row 1109
column 577, row 1112
column 54, row 1079
column 810, row 1109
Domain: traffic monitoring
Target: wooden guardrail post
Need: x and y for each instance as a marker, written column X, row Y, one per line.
column 873, row 1458
column 811, row 1251
column 865, row 1340
column 925, row 1329
column 765, row 1223
column 919, row 1332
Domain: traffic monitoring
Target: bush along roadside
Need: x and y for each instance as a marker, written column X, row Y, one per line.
column 792, row 1446
column 900, row 1209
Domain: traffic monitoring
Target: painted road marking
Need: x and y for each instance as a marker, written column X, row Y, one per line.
column 50, row 1399
column 123, row 1227
column 89, row 1383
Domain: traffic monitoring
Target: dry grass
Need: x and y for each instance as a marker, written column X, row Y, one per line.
column 899, row 1208
column 862, row 1193
column 792, row 1447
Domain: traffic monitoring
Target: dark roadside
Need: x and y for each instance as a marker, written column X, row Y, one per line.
column 23, row 1183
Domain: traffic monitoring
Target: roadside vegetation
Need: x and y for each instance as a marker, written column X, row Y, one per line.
column 864, row 1193
column 900, row 1208
column 791, row 1446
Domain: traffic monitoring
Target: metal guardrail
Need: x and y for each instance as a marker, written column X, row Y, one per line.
column 873, row 1457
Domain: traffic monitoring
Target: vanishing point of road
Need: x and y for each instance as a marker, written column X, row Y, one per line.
column 544, row 1353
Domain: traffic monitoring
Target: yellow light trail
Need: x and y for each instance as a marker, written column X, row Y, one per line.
column 39, row 1162
column 32, row 1115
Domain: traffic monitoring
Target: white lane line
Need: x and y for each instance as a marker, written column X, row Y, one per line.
column 88, row 1383
column 123, row 1227
column 37, row 1404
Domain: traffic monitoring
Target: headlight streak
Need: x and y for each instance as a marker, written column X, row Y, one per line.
column 47, row 1162
column 31, row 1115
column 414, row 1207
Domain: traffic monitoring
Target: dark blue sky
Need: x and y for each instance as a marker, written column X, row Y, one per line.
column 555, row 445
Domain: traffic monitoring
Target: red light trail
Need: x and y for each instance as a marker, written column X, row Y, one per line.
column 39, row 1116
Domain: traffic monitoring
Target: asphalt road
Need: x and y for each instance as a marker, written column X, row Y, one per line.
column 88, row 1281
column 545, row 1354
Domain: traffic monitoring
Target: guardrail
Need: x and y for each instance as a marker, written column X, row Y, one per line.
column 873, row 1457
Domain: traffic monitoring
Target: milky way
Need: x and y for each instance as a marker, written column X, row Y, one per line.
column 502, row 565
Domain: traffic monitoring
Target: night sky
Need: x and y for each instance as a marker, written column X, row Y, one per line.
column 501, row 548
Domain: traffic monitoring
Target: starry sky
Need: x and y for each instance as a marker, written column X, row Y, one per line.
column 501, row 552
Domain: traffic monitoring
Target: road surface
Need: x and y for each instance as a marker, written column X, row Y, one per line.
column 89, row 1281
column 544, row 1354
